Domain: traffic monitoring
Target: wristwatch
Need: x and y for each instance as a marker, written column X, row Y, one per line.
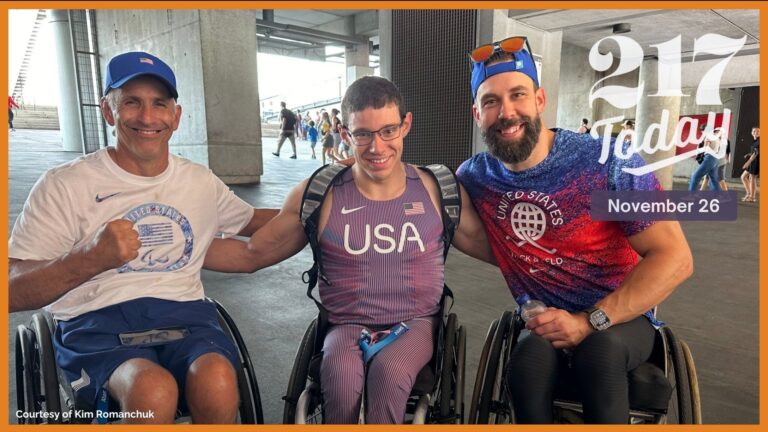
column 598, row 319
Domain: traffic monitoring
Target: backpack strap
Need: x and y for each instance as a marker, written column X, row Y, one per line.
column 311, row 202
column 450, row 201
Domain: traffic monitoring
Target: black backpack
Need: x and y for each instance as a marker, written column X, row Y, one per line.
column 314, row 194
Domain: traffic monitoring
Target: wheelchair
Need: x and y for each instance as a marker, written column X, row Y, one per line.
column 670, row 369
column 436, row 397
column 41, row 386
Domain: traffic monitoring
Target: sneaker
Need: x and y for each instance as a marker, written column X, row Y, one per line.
column 276, row 154
column 293, row 157
column 13, row 130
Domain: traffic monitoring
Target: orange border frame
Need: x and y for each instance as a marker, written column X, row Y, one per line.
column 763, row 6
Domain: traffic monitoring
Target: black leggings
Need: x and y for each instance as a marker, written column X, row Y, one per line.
column 10, row 118
column 595, row 373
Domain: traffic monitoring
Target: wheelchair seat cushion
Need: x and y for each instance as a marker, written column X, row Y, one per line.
column 649, row 389
column 313, row 370
column 425, row 381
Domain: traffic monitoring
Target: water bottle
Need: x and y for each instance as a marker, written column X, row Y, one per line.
column 529, row 308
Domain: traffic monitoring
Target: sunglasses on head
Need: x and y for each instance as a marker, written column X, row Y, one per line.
column 510, row 45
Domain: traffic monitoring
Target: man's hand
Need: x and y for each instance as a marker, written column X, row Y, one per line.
column 33, row 284
column 562, row 328
column 115, row 244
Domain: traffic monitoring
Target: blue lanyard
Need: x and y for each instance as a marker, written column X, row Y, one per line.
column 370, row 345
column 102, row 407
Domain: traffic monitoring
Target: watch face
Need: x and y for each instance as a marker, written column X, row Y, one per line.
column 599, row 320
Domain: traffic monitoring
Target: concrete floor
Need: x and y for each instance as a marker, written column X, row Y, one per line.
column 715, row 311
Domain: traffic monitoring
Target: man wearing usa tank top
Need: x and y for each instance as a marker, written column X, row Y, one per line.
column 380, row 233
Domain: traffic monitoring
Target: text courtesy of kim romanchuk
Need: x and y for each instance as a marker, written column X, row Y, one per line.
column 664, row 205
column 83, row 416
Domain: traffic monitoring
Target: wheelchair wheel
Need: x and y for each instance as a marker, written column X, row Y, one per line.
column 450, row 405
column 693, row 380
column 447, row 375
column 37, row 382
column 309, row 407
column 490, row 401
column 48, row 375
column 460, row 374
column 297, row 383
column 481, row 371
column 250, row 399
column 26, row 389
column 681, row 382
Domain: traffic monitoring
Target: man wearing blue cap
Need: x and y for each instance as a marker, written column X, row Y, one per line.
column 112, row 245
column 532, row 191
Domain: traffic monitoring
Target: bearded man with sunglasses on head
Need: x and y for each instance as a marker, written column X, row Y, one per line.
column 380, row 232
column 532, row 191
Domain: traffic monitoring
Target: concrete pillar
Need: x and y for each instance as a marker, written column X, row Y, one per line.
column 69, row 103
column 385, row 43
column 657, row 118
column 213, row 53
column 232, row 111
column 356, row 60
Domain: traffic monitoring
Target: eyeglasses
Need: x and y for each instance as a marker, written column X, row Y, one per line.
column 387, row 133
column 510, row 45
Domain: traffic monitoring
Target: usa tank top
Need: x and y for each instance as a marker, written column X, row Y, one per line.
column 383, row 259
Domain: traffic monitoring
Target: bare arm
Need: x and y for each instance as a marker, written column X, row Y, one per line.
column 666, row 263
column 260, row 217
column 34, row 284
column 279, row 239
column 471, row 237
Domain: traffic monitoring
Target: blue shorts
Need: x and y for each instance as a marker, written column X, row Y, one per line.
column 88, row 347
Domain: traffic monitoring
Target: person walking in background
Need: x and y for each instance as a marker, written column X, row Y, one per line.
column 629, row 127
column 328, row 142
column 312, row 133
column 305, row 123
column 709, row 165
column 287, row 129
column 300, row 126
column 584, row 128
column 721, row 168
column 752, row 168
column 11, row 104
column 338, row 145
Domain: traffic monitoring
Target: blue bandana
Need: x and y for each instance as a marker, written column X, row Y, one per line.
column 523, row 62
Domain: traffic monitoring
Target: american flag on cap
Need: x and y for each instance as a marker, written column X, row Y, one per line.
column 414, row 208
column 146, row 60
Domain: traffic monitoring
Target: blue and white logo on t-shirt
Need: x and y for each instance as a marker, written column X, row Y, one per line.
column 160, row 228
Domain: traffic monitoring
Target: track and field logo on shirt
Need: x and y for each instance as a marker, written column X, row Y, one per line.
column 160, row 228
column 529, row 224
column 527, row 213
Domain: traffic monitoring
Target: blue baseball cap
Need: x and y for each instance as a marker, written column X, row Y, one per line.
column 125, row 67
column 522, row 62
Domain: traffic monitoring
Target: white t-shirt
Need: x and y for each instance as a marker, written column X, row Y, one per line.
column 177, row 215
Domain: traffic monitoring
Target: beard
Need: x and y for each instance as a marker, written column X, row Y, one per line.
column 513, row 151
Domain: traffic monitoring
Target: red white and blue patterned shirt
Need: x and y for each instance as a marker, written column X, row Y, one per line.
column 539, row 226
